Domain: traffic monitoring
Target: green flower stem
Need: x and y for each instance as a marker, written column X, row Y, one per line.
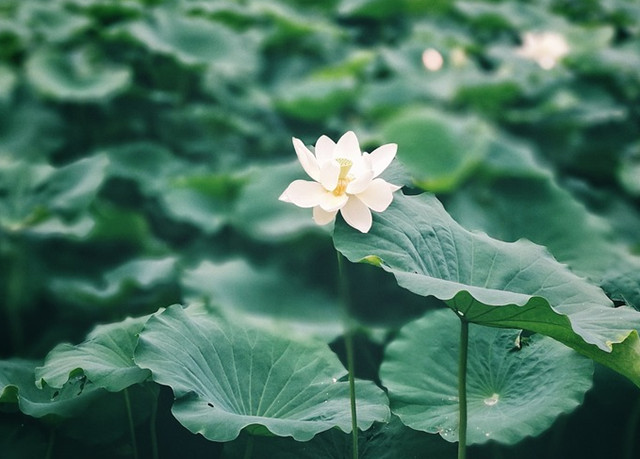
column 348, row 341
column 462, row 389
column 132, row 430
column 352, row 393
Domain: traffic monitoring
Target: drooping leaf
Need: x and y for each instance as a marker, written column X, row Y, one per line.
column 512, row 391
column 17, row 381
column 539, row 210
column 79, row 408
column 227, row 377
column 105, row 358
column 511, row 285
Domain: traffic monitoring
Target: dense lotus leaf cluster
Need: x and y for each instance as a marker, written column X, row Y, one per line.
column 143, row 148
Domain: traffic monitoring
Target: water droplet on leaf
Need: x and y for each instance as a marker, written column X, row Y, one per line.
column 490, row 401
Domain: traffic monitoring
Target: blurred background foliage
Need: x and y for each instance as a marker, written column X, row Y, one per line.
column 144, row 143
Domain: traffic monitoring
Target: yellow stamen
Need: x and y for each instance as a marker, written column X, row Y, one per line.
column 343, row 178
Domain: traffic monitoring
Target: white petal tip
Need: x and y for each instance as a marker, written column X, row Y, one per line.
column 284, row 198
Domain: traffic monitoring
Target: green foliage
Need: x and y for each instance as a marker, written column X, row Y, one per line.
column 227, row 377
column 489, row 282
column 514, row 390
column 106, row 358
column 143, row 148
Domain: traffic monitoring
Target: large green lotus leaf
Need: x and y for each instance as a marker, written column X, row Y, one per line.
column 389, row 440
column 258, row 212
column 32, row 193
column 227, row 377
column 193, row 40
column 439, row 150
column 78, row 76
column 512, row 392
column 105, row 358
column 265, row 296
column 494, row 283
column 546, row 214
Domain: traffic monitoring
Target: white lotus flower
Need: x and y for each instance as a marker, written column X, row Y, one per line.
column 346, row 180
column 546, row 48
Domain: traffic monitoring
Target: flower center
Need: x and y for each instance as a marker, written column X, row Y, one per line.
column 343, row 178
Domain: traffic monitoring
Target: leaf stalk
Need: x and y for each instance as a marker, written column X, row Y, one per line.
column 462, row 388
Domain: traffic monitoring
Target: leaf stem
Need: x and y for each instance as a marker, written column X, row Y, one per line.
column 248, row 450
column 52, row 439
column 132, row 430
column 348, row 342
column 632, row 425
column 462, row 389
column 153, row 429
